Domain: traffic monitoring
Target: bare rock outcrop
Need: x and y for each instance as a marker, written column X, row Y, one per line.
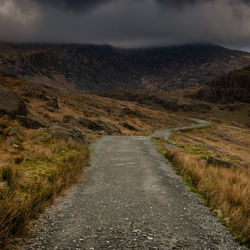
column 11, row 104
column 61, row 132
column 98, row 125
column 29, row 122
column 230, row 88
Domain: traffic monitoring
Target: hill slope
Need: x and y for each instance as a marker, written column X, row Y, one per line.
column 229, row 88
column 100, row 68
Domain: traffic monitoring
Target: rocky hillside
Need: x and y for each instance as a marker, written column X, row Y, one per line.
column 74, row 114
column 229, row 88
column 101, row 68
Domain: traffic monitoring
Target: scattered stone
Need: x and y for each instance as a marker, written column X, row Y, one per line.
column 49, row 118
column 11, row 104
column 124, row 111
column 14, row 143
column 35, row 93
column 59, row 132
column 3, row 126
column 110, row 128
column 99, row 126
column 18, row 160
column 29, row 123
column 102, row 133
column 90, row 124
column 67, row 118
column 218, row 162
column 15, row 132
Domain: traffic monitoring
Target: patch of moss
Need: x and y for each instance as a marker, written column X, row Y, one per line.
column 160, row 147
column 196, row 150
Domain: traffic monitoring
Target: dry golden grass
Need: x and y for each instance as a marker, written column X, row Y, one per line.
column 43, row 170
column 226, row 187
column 227, row 190
column 223, row 140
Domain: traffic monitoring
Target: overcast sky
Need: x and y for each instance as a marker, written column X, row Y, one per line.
column 127, row 23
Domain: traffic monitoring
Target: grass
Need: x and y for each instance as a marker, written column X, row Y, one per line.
column 228, row 142
column 226, row 190
column 45, row 170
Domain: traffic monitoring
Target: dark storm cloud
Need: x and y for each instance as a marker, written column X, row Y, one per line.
column 85, row 4
column 181, row 3
column 126, row 22
column 77, row 5
column 80, row 5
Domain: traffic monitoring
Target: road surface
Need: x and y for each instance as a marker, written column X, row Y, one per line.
column 130, row 198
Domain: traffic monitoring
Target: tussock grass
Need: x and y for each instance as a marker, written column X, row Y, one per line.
column 26, row 188
column 227, row 190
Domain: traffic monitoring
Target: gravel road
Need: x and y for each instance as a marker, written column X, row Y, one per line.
column 130, row 198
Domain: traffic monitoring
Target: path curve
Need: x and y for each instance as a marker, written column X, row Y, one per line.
column 129, row 199
column 166, row 133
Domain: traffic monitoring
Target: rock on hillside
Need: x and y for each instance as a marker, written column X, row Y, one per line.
column 11, row 104
column 62, row 132
column 29, row 122
column 229, row 88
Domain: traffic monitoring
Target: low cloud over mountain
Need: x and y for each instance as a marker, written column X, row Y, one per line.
column 126, row 22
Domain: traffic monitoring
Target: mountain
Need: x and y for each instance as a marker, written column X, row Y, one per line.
column 229, row 88
column 101, row 68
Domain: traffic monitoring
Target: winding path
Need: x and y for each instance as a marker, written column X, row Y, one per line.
column 130, row 199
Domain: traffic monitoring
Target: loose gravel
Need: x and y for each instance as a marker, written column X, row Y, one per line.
column 130, row 198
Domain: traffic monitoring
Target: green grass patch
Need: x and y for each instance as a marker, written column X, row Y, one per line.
column 31, row 185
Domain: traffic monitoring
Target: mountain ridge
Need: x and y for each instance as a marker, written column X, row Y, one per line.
column 103, row 67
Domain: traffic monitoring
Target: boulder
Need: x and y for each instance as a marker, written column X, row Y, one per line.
column 52, row 103
column 124, row 110
column 14, row 143
column 28, row 122
column 127, row 111
column 67, row 118
column 110, row 128
column 49, row 118
column 3, row 126
column 11, row 104
column 90, row 124
column 218, row 162
column 128, row 126
column 99, row 125
column 59, row 132
column 35, row 93
column 15, row 132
